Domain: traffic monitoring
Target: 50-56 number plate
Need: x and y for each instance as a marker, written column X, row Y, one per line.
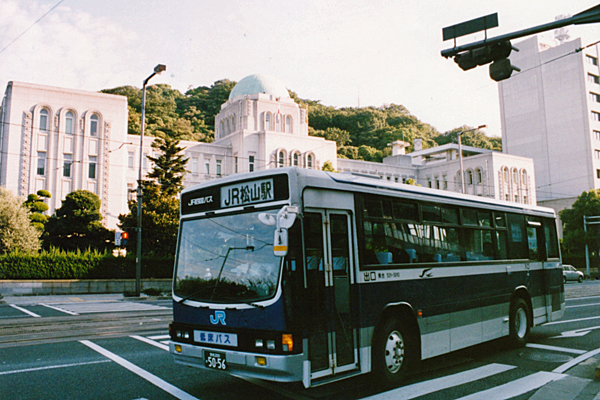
column 215, row 360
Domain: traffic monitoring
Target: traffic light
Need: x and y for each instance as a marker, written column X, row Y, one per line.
column 483, row 55
column 124, row 237
column 495, row 53
column 501, row 69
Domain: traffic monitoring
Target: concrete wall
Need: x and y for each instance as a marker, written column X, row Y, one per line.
column 77, row 286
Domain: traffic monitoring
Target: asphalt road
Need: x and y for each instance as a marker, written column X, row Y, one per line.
column 105, row 348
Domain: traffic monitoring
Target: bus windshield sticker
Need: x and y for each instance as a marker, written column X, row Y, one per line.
column 247, row 193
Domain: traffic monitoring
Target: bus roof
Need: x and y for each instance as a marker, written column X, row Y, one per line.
column 370, row 184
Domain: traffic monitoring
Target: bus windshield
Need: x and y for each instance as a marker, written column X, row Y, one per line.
column 226, row 259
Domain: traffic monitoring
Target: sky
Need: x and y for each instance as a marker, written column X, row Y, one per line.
column 344, row 53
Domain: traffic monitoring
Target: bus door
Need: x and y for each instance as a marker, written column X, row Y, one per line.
column 332, row 337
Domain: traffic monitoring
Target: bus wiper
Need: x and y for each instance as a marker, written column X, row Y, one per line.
column 254, row 304
column 251, row 248
column 193, row 295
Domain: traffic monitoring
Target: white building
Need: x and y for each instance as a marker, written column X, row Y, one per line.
column 62, row 140
column 551, row 113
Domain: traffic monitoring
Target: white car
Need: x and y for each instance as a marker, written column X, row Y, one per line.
column 571, row 274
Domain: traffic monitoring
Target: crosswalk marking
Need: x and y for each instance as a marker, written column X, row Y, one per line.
column 59, row 309
column 554, row 348
column 86, row 308
column 434, row 385
column 155, row 380
column 149, row 341
column 159, row 337
column 25, row 311
column 516, row 387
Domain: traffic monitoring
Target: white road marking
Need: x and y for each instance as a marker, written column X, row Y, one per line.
column 59, row 309
column 434, row 385
column 584, row 305
column 516, row 387
column 19, row 371
column 153, row 379
column 117, row 306
column 159, row 337
column 576, row 332
column 570, row 320
column 149, row 341
column 25, row 311
column 555, row 348
column 566, row 366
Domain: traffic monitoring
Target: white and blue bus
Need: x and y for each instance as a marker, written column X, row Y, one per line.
column 294, row 274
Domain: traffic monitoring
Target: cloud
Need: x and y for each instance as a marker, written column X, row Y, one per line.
column 67, row 48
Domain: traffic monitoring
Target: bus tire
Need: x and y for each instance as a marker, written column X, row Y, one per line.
column 520, row 323
column 392, row 352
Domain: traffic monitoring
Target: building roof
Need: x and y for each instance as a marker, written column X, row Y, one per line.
column 258, row 83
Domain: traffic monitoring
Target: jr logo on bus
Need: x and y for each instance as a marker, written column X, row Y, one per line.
column 218, row 318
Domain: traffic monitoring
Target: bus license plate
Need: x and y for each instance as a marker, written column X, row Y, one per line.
column 215, row 360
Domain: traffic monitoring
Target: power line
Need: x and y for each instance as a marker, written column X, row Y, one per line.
column 32, row 25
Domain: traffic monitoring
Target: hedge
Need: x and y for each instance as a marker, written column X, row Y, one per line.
column 57, row 264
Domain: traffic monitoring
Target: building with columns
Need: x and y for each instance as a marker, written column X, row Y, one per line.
column 62, row 140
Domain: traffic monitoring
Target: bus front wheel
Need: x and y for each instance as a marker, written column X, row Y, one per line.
column 519, row 323
column 392, row 353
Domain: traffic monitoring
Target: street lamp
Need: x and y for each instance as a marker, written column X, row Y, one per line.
column 460, row 156
column 138, row 260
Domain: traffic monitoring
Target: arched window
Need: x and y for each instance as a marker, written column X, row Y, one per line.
column 228, row 127
column 478, row 176
column 267, row 121
column 94, row 125
column 295, row 160
column 505, row 173
column 515, row 175
column 281, row 162
column 277, row 122
column 469, row 177
column 69, row 123
column 288, row 124
column 524, row 177
column 44, row 120
column 309, row 161
column 233, row 123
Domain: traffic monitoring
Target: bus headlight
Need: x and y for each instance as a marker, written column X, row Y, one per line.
column 287, row 342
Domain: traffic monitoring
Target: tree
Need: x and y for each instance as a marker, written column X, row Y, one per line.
column 35, row 203
column 77, row 224
column 328, row 167
column 160, row 205
column 169, row 166
column 160, row 220
column 574, row 236
column 16, row 231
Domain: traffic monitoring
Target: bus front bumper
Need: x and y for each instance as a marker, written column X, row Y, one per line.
column 279, row 368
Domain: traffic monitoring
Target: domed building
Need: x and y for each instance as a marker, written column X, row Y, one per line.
column 265, row 128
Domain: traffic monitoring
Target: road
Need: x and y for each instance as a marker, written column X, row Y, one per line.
column 101, row 347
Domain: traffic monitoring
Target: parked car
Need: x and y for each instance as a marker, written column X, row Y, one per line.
column 570, row 273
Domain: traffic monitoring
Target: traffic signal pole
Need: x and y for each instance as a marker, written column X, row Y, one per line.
column 473, row 51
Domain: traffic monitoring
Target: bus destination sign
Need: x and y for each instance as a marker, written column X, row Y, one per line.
column 238, row 194
column 245, row 193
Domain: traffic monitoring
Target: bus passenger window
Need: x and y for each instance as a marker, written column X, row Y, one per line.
column 501, row 244
column 517, row 237
column 532, row 242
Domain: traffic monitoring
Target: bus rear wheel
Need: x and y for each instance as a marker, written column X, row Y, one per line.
column 519, row 323
column 392, row 352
